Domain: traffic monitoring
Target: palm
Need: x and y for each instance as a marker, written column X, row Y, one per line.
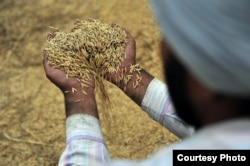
column 58, row 77
column 129, row 59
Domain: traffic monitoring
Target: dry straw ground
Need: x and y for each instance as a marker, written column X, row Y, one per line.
column 32, row 116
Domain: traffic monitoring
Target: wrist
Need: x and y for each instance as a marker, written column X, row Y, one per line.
column 77, row 102
column 127, row 75
column 136, row 93
column 75, row 94
column 81, row 107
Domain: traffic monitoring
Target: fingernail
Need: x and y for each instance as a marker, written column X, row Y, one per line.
column 77, row 21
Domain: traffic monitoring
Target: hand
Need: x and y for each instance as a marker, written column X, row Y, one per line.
column 75, row 101
column 136, row 94
column 130, row 51
column 58, row 77
column 129, row 59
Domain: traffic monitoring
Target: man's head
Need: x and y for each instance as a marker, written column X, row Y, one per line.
column 206, row 59
column 195, row 103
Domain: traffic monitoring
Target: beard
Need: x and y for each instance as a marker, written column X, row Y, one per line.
column 176, row 75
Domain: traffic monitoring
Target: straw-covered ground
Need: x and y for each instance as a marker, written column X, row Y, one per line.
column 32, row 118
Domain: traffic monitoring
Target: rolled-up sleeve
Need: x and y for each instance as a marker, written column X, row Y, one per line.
column 157, row 103
column 85, row 142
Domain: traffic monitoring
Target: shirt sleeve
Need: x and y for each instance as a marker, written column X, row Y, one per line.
column 86, row 146
column 158, row 105
column 85, row 142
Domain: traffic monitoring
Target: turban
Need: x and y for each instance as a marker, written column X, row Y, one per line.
column 211, row 38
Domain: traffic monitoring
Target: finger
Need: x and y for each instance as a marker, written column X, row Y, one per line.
column 51, row 73
column 45, row 61
column 90, row 19
column 113, row 25
column 116, row 25
column 77, row 21
column 50, row 35
column 45, row 56
column 127, row 33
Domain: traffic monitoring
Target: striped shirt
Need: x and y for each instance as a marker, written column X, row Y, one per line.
column 158, row 105
column 86, row 145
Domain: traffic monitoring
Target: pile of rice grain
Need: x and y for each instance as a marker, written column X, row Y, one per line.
column 91, row 47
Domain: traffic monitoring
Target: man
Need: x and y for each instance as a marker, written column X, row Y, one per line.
column 205, row 55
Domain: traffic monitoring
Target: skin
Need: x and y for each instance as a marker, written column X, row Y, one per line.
column 195, row 103
column 207, row 107
column 77, row 102
column 138, row 93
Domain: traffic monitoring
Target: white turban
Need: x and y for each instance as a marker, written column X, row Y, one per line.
column 211, row 38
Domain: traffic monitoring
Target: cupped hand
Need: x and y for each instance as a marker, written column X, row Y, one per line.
column 128, row 60
column 130, row 51
column 59, row 77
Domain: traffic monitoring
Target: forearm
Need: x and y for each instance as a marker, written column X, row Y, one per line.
column 136, row 93
column 85, row 142
column 157, row 103
column 152, row 95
